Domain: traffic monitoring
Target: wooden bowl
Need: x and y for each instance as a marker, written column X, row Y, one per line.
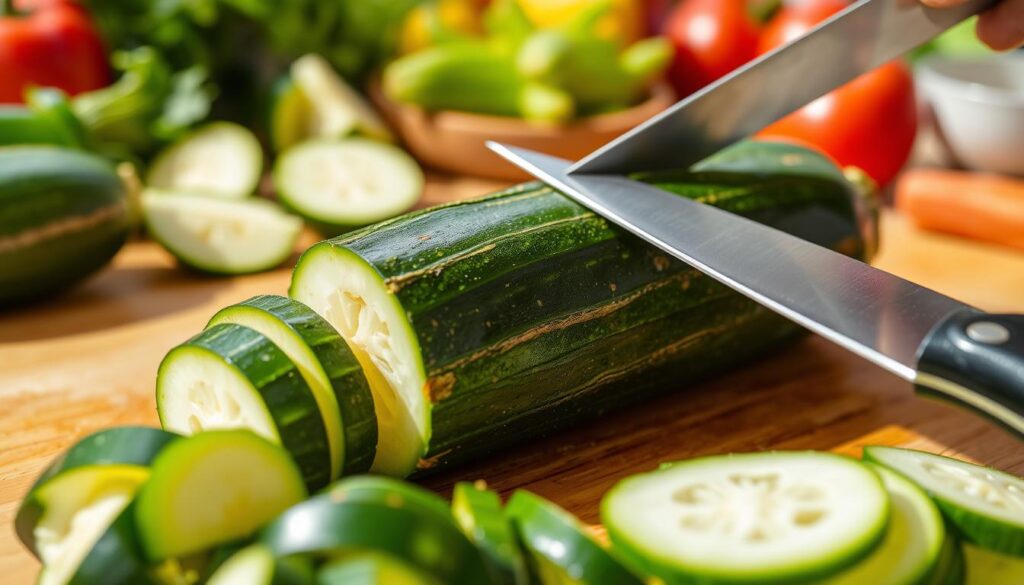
column 454, row 141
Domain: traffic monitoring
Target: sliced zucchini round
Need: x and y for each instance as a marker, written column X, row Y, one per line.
column 220, row 158
column 782, row 517
column 256, row 565
column 985, row 505
column 387, row 491
column 377, row 330
column 334, row 525
column 479, row 514
column 371, row 569
column 114, row 559
column 290, row 114
column 339, row 185
column 985, row 567
column 561, row 551
column 232, row 377
column 213, row 488
column 912, row 548
column 221, row 236
column 77, row 497
column 336, row 110
column 329, row 368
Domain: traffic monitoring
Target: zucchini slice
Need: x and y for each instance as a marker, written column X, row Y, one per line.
column 78, row 496
column 335, row 109
column 114, row 559
column 781, row 517
column 985, row 505
column 985, row 567
column 478, row 512
column 213, row 488
column 221, row 236
column 221, row 159
column 371, row 569
column 256, row 565
column 561, row 551
column 342, row 184
column 232, row 377
column 331, row 371
column 387, row 491
column 333, row 524
column 913, row 545
column 290, row 113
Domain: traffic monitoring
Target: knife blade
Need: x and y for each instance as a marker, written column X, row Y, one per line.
column 854, row 41
column 946, row 348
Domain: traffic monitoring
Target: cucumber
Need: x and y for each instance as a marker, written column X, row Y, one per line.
column 221, row 236
column 329, row 369
column 63, row 216
column 114, row 559
column 232, row 377
column 339, row 185
column 335, row 109
column 478, row 512
column 486, row 322
column 212, row 488
column 332, row 524
column 371, row 569
column 79, row 494
column 221, row 158
column 985, row 567
column 914, row 543
column 290, row 114
column 782, row 517
column 256, row 565
column 559, row 547
column 986, row 506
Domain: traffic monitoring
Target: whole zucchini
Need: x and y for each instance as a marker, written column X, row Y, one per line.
column 488, row 321
column 63, row 215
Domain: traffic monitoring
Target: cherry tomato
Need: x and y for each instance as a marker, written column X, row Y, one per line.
column 711, row 38
column 869, row 123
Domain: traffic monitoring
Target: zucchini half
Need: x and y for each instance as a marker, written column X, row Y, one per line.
column 329, row 368
column 485, row 322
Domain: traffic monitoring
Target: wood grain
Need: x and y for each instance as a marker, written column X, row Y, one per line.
column 88, row 360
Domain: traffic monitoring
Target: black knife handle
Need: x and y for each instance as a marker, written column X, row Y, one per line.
column 977, row 360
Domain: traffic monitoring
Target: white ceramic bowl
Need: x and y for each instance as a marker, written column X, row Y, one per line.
column 978, row 105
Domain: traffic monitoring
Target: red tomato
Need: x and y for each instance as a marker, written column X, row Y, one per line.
column 869, row 123
column 711, row 38
column 52, row 43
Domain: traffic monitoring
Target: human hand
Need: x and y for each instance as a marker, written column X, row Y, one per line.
column 1000, row 27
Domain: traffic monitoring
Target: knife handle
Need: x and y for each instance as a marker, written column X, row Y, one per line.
column 976, row 360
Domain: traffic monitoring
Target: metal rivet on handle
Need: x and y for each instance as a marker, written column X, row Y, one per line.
column 988, row 332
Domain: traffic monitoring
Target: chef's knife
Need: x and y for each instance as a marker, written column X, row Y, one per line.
column 946, row 348
column 863, row 36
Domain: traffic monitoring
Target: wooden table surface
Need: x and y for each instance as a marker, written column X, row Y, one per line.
column 88, row 360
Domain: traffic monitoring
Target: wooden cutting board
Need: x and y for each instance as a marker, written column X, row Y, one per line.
column 88, row 360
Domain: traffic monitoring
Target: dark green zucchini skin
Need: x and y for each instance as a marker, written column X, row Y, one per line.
column 532, row 312
column 63, row 215
column 115, row 446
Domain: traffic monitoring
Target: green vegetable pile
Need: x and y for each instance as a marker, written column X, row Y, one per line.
column 517, row 69
column 140, row 506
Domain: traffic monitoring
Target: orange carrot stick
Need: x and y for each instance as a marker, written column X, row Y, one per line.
column 980, row 206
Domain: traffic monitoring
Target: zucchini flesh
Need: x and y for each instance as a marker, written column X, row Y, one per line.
column 343, row 184
column 561, row 551
column 785, row 517
column 232, row 377
column 221, row 236
column 335, row 109
column 371, row 569
column 213, row 488
column 256, row 565
column 985, row 505
column 913, row 545
column 221, row 159
column 985, row 567
column 489, row 321
column 478, row 512
column 329, row 368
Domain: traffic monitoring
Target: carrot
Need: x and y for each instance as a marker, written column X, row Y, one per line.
column 980, row 206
